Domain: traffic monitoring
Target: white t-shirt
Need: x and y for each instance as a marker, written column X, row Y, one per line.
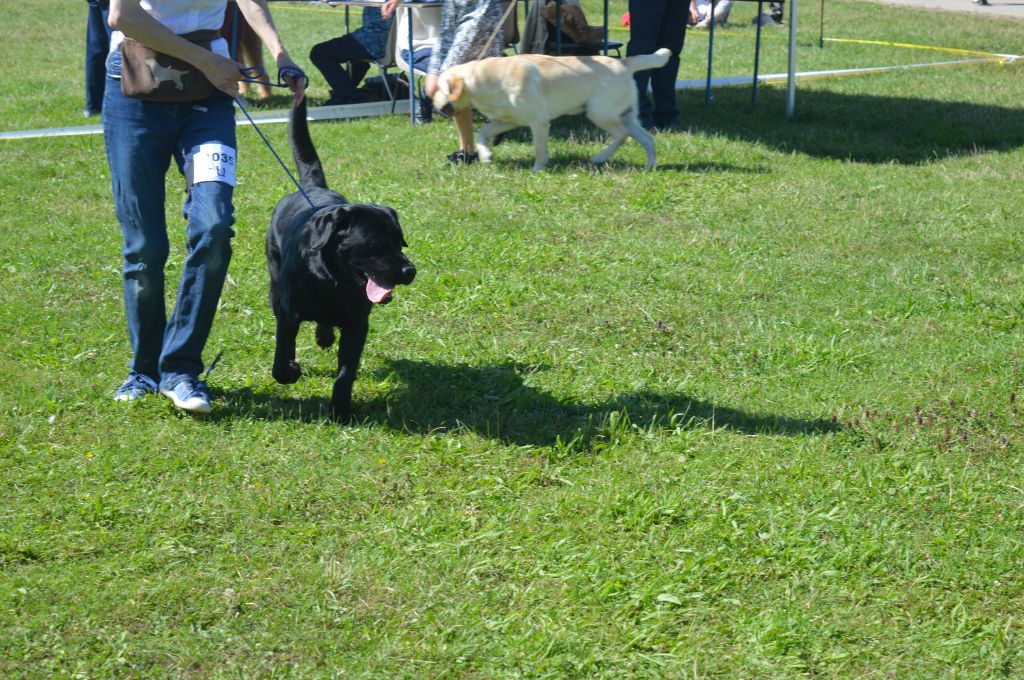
column 184, row 16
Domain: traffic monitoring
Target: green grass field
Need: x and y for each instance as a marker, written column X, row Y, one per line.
column 755, row 414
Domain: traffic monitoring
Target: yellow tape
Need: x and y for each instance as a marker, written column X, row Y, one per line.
column 951, row 50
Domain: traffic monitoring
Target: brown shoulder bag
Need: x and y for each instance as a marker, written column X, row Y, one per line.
column 157, row 77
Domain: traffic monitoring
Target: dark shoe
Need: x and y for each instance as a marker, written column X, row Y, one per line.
column 90, row 113
column 666, row 122
column 345, row 99
column 460, row 157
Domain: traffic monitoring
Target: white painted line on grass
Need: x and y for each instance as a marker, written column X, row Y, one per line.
column 274, row 116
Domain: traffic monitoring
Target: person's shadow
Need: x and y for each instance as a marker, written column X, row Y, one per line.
column 495, row 401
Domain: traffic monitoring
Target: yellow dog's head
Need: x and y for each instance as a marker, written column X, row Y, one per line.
column 451, row 95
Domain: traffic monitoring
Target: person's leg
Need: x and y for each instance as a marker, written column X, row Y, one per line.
column 645, row 18
column 329, row 56
column 722, row 9
column 139, row 141
column 207, row 154
column 357, row 71
column 663, row 80
column 97, row 44
column 464, row 126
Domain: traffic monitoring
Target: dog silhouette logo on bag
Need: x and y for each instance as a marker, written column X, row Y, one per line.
column 165, row 74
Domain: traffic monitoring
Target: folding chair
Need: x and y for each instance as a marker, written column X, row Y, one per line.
column 426, row 23
column 386, row 62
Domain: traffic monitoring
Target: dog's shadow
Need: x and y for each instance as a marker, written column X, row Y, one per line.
column 578, row 129
column 497, row 402
column 572, row 163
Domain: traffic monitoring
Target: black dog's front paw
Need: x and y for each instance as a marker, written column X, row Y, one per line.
column 286, row 374
column 341, row 402
column 341, row 415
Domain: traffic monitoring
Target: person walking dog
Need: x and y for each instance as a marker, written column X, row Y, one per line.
column 168, row 95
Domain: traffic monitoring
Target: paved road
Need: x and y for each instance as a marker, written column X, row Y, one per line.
column 1006, row 8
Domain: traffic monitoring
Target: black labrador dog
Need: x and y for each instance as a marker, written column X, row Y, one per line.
column 329, row 262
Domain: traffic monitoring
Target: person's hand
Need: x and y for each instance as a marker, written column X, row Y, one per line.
column 296, row 85
column 694, row 14
column 388, row 8
column 222, row 72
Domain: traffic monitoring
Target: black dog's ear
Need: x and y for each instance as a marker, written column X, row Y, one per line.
column 322, row 226
column 394, row 216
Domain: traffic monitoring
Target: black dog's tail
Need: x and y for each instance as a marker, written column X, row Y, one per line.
column 311, row 173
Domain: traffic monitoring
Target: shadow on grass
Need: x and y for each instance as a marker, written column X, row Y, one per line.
column 579, row 129
column 563, row 163
column 495, row 402
column 860, row 128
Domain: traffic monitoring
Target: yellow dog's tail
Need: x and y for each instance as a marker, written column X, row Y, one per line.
column 644, row 62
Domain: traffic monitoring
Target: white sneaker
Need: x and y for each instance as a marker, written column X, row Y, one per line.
column 190, row 395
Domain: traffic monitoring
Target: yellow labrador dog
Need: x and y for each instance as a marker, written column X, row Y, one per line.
column 534, row 89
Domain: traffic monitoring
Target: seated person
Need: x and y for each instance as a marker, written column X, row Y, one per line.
column 703, row 7
column 363, row 45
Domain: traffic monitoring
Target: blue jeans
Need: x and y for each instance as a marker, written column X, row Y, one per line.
column 141, row 139
column 97, row 44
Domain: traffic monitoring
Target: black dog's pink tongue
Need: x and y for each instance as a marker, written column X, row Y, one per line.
column 376, row 292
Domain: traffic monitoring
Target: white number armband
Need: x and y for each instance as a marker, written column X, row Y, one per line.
column 214, row 163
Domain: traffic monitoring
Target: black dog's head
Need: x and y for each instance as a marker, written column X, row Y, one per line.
column 360, row 246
